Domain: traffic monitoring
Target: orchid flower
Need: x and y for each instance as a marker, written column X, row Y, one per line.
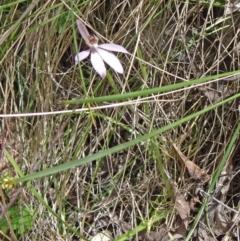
column 99, row 53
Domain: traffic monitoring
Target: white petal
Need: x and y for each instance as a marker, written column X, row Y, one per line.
column 98, row 63
column 81, row 56
column 83, row 30
column 111, row 60
column 113, row 47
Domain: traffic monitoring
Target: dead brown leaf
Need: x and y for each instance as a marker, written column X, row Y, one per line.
column 202, row 234
column 154, row 236
column 192, row 203
column 183, row 208
column 218, row 214
column 213, row 91
column 162, row 234
column 216, row 91
column 197, row 73
column 195, row 171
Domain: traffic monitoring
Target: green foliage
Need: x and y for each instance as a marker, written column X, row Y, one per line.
column 21, row 220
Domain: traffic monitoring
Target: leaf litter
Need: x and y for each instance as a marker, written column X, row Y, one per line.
column 194, row 171
column 219, row 220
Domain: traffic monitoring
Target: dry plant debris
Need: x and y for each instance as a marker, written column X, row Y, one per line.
column 183, row 209
column 195, row 172
column 146, row 190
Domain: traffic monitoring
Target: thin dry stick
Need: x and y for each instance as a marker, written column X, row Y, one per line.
column 216, row 200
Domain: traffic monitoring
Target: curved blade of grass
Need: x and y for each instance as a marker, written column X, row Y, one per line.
column 103, row 153
column 7, row 5
column 148, row 91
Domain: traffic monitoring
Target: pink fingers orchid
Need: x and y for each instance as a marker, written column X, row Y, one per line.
column 99, row 53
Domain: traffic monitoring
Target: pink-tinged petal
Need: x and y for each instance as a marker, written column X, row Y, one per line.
column 111, row 60
column 81, row 56
column 113, row 47
column 83, row 31
column 98, row 63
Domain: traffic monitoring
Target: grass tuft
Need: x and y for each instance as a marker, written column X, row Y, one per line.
column 82, row 156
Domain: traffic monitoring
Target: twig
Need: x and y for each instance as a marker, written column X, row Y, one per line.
column 199, row 190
